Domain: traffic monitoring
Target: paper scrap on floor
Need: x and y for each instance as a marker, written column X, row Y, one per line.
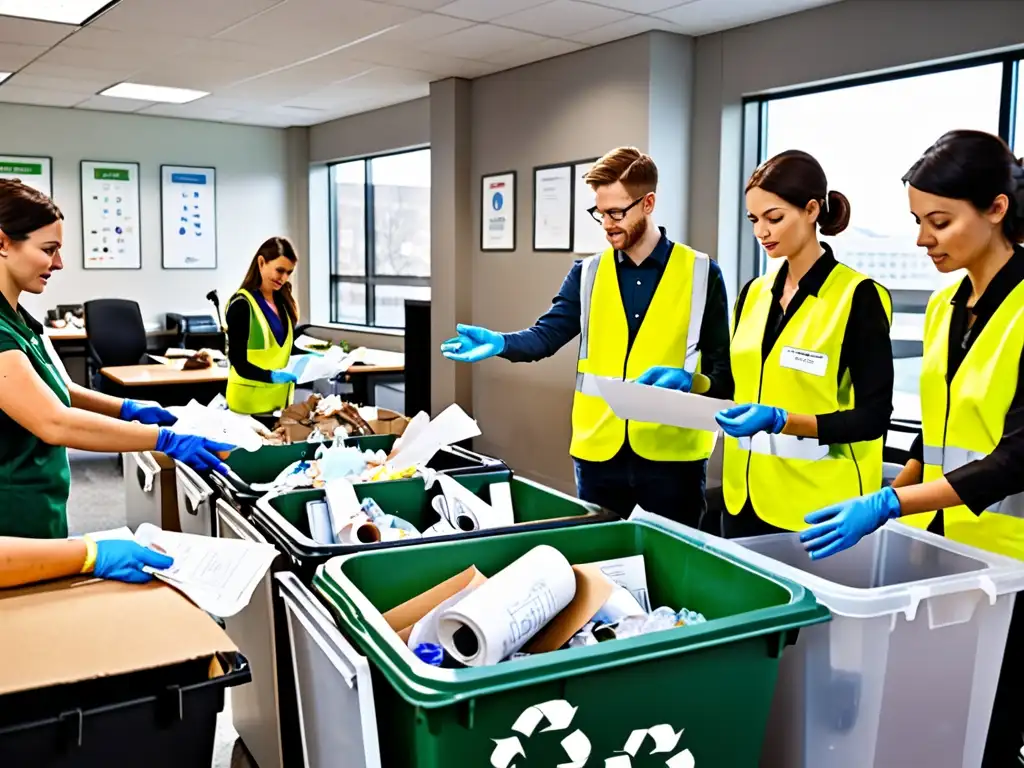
column 641, row 402
column 218, row 575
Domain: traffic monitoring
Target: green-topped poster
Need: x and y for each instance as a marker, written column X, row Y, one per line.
column 110, row 215
column 33, row 171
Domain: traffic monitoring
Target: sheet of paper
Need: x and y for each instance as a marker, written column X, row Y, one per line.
column 630, row 574
column 452, row 425
column 124, row 533
column 641, row 402
column 218, row 575
column 216, row 424
column 504, row 613
column 468, row 512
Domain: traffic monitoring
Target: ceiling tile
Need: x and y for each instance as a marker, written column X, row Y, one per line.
column 432, row 63
column 634, row 26
column 216, row 49
column 31, row 32
column 203, row 75
column 486, row 10
column 154, row 43
column 562, row 18
column 15, row 95
column 422, row 28
column 14, row 57
column 120, row 63
column 479, row 41
column 639, row 6
column 110, row 104
column 45, row 70
column 702, row 17
column 278, row 86
column 188, row 18
column 67, row 84
column 527, row 54
column 195, row 110
column 310, row 27
column 419, row 5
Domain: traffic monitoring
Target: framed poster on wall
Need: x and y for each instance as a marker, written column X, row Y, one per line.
column 552, row 208
column 498, row 212
column 188, row 205
column 36, row 172
column 111, row 224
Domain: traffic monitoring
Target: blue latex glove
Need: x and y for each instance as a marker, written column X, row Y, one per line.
column 473, row 344
column 282, row 377
column 749, row 419
column 146, row 414
column 197, row 452
column 841, row 526
column 667, row 378
column 123, row 561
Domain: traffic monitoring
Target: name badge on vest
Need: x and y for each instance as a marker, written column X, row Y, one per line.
column 803, row 360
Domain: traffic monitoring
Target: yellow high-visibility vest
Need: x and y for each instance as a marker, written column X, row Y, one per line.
column 962, row 420
column 668, row 336
column 248, row 396
column 787, row 477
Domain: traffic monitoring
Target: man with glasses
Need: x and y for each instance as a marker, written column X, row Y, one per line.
column 642, row 307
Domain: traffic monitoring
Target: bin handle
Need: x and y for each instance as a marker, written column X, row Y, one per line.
column 145, row 475
column 194, row 494
column 331, row 641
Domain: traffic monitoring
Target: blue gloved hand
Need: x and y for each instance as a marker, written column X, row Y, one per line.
column 146, row 413
column 473, row 344
column 749, row 419
column 667, row 378
column 123, row 560
column 198, row 452
column 842, row 525
column 282, row 377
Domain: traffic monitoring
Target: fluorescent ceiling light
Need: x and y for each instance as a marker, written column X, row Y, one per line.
column 4, row 76
column 62, row 11
column 153, row 93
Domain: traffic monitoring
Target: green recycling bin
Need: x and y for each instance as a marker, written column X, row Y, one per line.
column 282, row 518
column 267, row 463
column 696, row 696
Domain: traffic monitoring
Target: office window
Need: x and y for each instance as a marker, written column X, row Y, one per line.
column 380, row 238
column 866, row 135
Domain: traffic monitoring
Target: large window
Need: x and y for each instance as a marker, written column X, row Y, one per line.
column 380, row 238
column 866, row 135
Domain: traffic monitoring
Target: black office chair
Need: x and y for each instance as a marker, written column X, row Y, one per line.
column 117, row 336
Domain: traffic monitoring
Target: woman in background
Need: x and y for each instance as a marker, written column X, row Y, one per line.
column 41, row 413
column 261, row 320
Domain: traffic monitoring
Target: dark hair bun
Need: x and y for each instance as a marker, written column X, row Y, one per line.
column 836, row 217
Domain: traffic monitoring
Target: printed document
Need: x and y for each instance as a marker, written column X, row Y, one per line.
column 641, row 402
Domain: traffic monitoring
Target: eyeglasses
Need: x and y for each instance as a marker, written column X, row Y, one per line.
column 615, row 214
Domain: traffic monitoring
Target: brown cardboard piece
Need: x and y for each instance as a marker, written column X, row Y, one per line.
column 593, row 589
column 78, row 629
column 389, row 422
column 402, row 617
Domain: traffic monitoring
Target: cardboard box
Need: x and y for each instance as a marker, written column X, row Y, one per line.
column 389, row 422
column 82, row 628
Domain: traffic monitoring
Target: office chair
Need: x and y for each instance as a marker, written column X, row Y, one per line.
column 117, row 336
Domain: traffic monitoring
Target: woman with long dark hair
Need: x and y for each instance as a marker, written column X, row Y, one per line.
column 965, row 479
column 261, row 320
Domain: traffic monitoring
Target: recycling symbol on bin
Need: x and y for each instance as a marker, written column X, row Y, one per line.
column 559, row 714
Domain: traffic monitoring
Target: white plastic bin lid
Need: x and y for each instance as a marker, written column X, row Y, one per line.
column 995, row 575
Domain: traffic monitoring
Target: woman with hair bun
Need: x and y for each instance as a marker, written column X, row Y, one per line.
column 964, row 479
column 811, row 358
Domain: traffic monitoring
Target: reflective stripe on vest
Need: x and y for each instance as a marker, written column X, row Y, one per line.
column 669, row 336
column 951, row 458
column 785, row 477
column 698, row 299
column 963, row 416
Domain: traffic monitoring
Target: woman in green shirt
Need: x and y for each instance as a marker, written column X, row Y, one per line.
column 41, row 414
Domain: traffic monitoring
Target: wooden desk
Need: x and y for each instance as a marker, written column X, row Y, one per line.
column 80, row 334
column 167, row 384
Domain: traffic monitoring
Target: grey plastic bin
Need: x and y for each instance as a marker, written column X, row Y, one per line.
column 905, row 673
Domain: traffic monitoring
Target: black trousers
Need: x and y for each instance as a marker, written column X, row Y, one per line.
column 672, row 489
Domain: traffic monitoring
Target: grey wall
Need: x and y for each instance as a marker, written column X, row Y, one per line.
column 371, row 133
column 835, row 41
column 563, row 109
